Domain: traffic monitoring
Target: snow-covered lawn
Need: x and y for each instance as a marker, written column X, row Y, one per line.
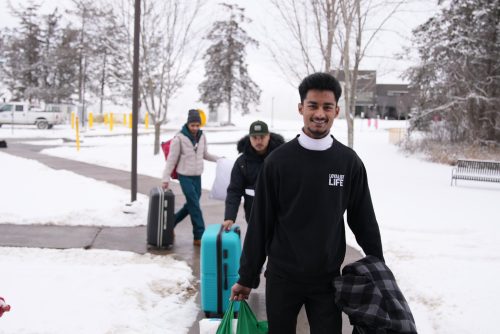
column 94, row 291
column 33, row 193
column 441, row 242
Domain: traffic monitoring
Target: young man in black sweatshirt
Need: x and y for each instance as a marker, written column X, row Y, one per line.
column 304, row 188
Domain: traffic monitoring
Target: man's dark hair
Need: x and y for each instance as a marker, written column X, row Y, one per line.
column 320, row 81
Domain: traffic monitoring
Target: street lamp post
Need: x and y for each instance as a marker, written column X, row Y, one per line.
column 135, row 98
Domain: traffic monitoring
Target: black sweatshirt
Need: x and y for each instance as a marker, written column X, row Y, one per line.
column 297, row 215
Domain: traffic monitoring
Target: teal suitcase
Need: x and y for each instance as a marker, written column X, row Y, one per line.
column 219, row 265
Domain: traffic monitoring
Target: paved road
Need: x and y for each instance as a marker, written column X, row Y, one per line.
column 128, row 238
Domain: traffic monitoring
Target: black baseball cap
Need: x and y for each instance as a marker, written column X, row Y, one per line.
column 258, row 128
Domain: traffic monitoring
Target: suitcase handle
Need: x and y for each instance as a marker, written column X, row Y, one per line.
column 236, row 229
column 226, row 285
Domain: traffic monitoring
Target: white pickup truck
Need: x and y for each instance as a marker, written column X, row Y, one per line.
column 24, row 113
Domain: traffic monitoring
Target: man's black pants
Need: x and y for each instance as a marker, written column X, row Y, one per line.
column 285, row 298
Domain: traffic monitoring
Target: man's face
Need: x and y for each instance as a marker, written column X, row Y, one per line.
column 318, row 110
column 260, row 143
column 194, row 127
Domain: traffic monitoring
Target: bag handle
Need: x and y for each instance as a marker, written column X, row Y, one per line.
column 226, row 325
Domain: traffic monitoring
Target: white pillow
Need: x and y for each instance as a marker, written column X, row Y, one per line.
column 222, row 179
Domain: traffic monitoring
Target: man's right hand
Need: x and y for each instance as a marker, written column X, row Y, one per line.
column 239, row 292
column 227, row 224
column 164, row 185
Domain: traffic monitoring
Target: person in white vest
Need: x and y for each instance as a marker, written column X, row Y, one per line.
column 187, row 152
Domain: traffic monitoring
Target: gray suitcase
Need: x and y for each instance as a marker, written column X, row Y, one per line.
column 160, row 228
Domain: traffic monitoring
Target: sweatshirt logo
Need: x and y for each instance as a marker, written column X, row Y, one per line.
column 336, row 180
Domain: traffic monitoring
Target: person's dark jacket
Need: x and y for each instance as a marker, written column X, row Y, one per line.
column 368, row 293
column 244, row 175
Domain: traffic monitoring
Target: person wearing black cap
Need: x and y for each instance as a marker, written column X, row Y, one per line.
column 188, row 149
column 253, row 149
column 297, row 220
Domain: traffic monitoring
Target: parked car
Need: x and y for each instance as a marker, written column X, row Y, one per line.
column 24, row 113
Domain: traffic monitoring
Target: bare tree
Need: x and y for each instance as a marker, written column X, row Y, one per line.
column 354, row 40
column 312, row 36
column 335, row 27
column 169, row 47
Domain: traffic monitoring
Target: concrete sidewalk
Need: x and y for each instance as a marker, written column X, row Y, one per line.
column 129, row 238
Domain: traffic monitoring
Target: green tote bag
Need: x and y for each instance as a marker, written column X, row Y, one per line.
column 247, row 322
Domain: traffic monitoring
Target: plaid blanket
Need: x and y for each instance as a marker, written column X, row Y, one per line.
column 367, row 292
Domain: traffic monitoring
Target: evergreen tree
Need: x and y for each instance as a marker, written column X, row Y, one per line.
column 106, row 55
column 2, row 61
column 227, row 79
column 22, row 54
column 87, row 14
column 50, row 36
column 458, row 75
column 118, row 55
column 39, row 57
column 58, row 77
column 66, row 70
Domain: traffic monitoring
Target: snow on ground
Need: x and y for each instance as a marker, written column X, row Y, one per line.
column 33, row 193
column 441, row 242
column 94, row 291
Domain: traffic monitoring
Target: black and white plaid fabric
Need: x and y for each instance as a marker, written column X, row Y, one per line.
column 367, row 292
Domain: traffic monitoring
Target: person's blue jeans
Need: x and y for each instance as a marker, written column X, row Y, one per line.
column 191, row 188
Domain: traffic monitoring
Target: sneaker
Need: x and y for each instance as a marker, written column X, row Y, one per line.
column 197, row 242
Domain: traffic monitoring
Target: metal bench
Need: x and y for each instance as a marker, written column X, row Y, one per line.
column 476, row 170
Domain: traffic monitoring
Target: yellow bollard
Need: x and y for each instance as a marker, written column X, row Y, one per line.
column 130, row 121
column 105, row 118
column 124, row 119
column 91, row 120
column 72, row 119
column 111, row 121
column 146, row 120
column 77, row 135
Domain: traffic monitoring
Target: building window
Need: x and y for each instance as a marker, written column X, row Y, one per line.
column 396, row 92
